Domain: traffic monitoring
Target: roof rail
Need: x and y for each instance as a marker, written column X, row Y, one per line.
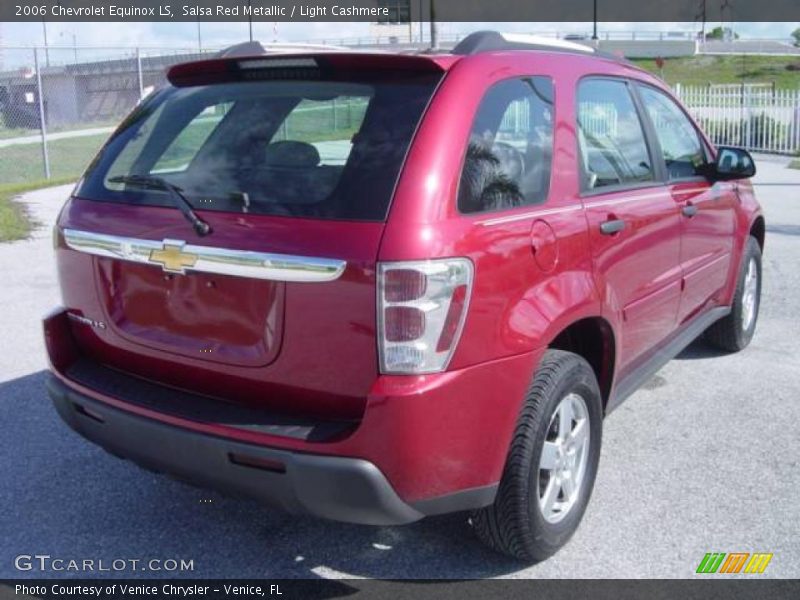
column 250, row 48
column 488, row 41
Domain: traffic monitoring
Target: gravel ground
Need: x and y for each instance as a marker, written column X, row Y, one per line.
column 705, row 458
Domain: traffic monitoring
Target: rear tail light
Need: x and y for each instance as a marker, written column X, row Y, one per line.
column 421, row 311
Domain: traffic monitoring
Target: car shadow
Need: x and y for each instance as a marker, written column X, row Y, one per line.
column 784, row 229
column 72, row 499
column 699, row 349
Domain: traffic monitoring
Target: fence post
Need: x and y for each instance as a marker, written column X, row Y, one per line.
column 42, row 124
column 139, row 73
column 749, row 116
column 795, row 128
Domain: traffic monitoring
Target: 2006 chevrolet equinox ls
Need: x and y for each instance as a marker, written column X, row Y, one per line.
column 375, row 287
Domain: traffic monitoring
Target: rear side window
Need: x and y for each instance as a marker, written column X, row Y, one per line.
column 612, row 141
column 510, row 147
column 680, row 144
column 305, row 148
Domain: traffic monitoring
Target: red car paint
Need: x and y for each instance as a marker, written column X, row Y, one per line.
column 538, row 270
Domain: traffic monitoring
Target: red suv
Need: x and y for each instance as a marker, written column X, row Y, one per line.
column 375, row 287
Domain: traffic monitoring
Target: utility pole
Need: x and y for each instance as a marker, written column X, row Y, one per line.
column 74, row 43
column 250, row 19
column 702, row 15
column 594, row 18
column 727, row 32
column 46, row 48
column 199, row 39
column 434, row 28
column 421, row 24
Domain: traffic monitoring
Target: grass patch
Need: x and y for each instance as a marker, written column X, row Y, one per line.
column 705, row 69
column 15, row 223
column 22, row 163
column 7, row 131
column 795, row 164
column 21, row 170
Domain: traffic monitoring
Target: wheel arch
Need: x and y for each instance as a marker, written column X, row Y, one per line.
column 758, row 230
column 593, row 339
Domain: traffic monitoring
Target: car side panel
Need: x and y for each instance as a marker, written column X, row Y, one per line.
column 533, row 270
column 638, row 269
column 742, row 209
column 746, row 211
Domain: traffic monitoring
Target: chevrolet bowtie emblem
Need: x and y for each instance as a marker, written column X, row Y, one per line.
column 172, row 258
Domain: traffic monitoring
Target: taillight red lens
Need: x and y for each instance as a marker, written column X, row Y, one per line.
column 404, row 285
column 421, row 307
column 403, row 323
column 453, row 319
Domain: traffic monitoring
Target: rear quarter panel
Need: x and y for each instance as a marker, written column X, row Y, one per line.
column 516, row 305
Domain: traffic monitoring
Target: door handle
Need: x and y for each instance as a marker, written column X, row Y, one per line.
column 689, row 210
column 612, row 226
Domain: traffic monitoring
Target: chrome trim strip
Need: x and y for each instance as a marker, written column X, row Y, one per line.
column 663, row 193
column 207, row 259
column 543, row 212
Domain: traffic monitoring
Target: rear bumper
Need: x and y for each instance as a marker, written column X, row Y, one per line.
column 332, row 487
column 425, row 445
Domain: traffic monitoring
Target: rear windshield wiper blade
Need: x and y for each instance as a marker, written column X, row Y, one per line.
column 157, row 183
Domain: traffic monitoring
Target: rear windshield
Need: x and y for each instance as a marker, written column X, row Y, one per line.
column 316, row 149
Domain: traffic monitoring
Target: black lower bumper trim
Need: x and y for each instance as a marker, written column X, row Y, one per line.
column 338, row 488
column 195, row 407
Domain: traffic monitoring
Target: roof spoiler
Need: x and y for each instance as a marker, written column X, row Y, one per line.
column 293, row 66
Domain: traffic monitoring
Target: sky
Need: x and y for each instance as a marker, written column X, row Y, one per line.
column 103, row 41
column 184, row 35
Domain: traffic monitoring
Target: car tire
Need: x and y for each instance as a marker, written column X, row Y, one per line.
column 734, row 332
column 524, row 522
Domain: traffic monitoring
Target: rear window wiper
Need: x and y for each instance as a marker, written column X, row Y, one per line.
column 157, row 183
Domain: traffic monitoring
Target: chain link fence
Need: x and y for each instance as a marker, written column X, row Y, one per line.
column 59, row 105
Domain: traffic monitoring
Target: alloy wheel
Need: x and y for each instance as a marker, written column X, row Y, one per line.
column 565, row 453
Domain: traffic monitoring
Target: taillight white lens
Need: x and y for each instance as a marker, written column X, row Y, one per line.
column 422, row 306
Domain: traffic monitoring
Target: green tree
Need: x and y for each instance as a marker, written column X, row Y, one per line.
column 719, row 33
column 796, row 36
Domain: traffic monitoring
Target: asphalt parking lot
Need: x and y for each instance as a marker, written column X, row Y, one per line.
column 705, row 458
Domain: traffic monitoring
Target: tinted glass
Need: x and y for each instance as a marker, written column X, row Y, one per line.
column 611, row 137
column 510, row 147
column 680, row 144
column 317, row 149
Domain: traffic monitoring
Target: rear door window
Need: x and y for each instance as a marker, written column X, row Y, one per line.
column 510, row 147
column 613, row 147
column 317, row 149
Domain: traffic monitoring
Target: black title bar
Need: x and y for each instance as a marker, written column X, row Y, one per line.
column 319, row 589
column 383, row 11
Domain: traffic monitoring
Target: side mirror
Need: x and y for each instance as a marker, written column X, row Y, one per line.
column 732, row 163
